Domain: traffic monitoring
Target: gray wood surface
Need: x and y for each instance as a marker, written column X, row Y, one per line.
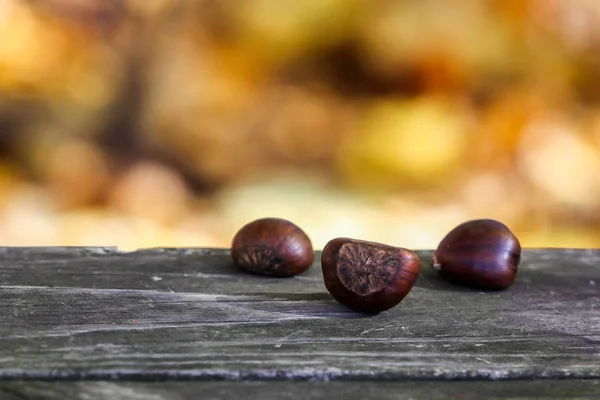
column 188, row 314
column 286, row 390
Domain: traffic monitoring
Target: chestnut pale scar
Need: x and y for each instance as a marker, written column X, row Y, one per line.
column 365, row 270
column 256, row 258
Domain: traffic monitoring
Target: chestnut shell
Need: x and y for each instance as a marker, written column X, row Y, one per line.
column 366, row 276
column 481, row 254
column 272, row 246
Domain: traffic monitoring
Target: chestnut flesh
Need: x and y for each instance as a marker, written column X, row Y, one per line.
column 272, row 246
column 481, row 254
column 366, row 276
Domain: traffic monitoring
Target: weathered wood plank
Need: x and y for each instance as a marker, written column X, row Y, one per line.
column 431, row 390
column 188, row 313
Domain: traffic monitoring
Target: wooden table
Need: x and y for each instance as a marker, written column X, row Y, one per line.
column 94, row 323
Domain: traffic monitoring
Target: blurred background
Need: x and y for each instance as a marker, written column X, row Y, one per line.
column 142, row 123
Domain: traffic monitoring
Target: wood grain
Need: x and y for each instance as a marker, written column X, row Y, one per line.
column 164, row 314
column 286, row 390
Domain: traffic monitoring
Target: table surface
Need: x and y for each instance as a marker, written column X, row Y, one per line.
column 162, row 323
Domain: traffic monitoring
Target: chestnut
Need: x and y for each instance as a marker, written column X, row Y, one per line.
column 272, row 246
column 481, row 254
column 366, row 276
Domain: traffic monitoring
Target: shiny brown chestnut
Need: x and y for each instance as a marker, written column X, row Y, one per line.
column 272, row 246
column 481, row 254
column 366, row 276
